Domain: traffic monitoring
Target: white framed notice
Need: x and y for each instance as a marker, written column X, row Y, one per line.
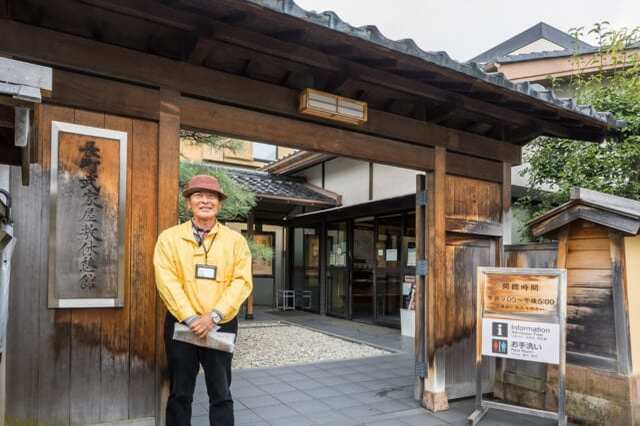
column 521, row 314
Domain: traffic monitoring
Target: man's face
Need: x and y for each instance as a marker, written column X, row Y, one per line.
column 205, row 205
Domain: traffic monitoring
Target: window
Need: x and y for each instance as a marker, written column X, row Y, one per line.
column 264, row 152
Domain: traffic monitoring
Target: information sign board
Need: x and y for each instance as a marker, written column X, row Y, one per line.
column 525, row 340
column 521, row 315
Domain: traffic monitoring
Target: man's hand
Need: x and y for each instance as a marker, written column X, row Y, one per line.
column 202, row 326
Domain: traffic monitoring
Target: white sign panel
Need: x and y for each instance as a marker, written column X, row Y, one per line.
column 525, row 340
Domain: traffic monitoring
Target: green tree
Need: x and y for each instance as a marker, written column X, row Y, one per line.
column 216, row 142
column 612, row 166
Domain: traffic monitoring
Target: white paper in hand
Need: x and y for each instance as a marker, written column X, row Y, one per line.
column 215, row 339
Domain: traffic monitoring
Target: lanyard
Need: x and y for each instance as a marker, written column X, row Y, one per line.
column 201, row 241
column 206, row 250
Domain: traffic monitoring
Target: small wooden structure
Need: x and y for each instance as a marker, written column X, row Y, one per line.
column 599, row 245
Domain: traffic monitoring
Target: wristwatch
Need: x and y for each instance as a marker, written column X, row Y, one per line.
column 215, row 317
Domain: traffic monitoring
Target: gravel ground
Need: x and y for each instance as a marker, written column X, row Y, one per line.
column 275, row 345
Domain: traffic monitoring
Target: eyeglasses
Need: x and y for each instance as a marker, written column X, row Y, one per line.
column 201, row 196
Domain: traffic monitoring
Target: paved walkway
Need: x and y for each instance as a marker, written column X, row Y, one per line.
column 370, row 391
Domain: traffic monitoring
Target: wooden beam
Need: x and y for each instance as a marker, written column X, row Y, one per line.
column 72, row 52
column 168, row 176
column 200, row 51
column 257, row 126
column 100, row 94
column 473, row 227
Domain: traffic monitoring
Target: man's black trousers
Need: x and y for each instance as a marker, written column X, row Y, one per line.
column 184, row 361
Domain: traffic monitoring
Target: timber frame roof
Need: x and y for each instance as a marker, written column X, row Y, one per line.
column 621, row 214
column 278, row 43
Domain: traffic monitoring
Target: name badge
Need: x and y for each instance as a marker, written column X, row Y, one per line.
column 206, row 272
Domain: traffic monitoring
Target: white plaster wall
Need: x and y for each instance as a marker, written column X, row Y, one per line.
column 313, row 175
column 540, row 45
column 348, row 177
column 390, row 181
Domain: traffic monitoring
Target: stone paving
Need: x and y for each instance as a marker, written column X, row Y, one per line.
column 369, row 391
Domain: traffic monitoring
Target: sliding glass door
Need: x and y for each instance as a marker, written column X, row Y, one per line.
column 388, row 279
column 337, row 269
column 305, row 272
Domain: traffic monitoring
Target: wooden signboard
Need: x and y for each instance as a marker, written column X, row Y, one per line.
column 87, row 201
column 520, row 294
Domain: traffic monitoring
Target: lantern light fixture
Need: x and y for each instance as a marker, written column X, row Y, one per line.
column 333, row 107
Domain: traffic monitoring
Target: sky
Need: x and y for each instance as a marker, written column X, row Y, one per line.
column 465, row 28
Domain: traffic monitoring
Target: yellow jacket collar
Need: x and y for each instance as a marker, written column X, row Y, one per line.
column 186, row 231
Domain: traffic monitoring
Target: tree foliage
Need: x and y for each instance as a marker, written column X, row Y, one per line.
column 216, row 142
column 612, row 166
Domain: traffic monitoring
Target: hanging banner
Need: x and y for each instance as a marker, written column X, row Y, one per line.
column 87, row 205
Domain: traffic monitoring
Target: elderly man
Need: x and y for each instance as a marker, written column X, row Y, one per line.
column 203, row 275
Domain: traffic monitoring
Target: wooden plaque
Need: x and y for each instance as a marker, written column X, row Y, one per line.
column 521, row 294
column 87, row 196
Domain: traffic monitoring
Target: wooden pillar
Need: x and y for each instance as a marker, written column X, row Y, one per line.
column 507, row 214
column 506, row 219
column 168, row 176
column 421, row 249
column 250, row 233
column 435, row 396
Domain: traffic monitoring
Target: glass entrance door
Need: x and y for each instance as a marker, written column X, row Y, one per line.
column 337, row 270
column 362, row 269
column 305, row 276
column 388, row 279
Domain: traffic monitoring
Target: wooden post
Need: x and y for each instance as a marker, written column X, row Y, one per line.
column 435, row 396
column 250, row 232
column 620, row 302
column 506, row 218
column 168, row 176
column 421, row 229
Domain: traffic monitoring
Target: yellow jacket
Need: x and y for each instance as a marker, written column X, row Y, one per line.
column 175, row 258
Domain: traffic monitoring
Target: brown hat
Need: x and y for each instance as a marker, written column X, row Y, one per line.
column 203, row 183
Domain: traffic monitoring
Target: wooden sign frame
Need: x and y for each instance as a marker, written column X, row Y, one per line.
column 557, row 316
column 116, row 300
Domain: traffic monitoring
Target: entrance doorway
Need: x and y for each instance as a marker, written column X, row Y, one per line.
column 337, row 268
column 362, row 280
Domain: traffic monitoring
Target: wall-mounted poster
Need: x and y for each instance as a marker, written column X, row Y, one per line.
column 87, row 204
column 264, row 267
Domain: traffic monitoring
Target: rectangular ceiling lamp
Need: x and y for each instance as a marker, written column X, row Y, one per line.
column 332, row 107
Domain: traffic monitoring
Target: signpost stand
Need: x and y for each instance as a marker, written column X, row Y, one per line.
column 521, row 314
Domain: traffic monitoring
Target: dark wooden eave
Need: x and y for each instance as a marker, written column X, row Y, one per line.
column 613, row 212
column 242, row 38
